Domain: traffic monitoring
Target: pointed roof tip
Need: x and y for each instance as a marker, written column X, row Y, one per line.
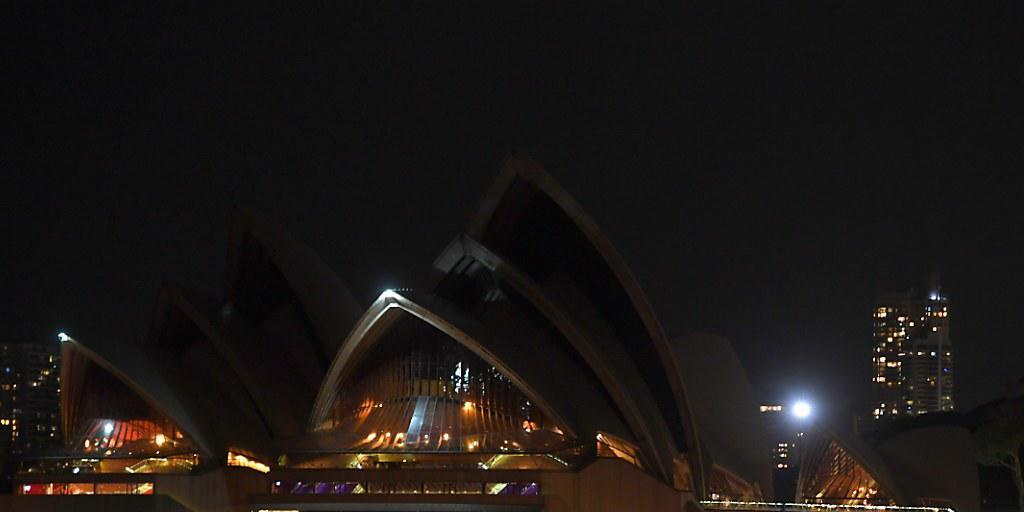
column 175, row 298
column 195, row 298
column 243, row 220
column 526, row 167
column 247, row 218
column 521, row 161
column 164, row 297
column 168, row 286
column 244, row 216
column 190, row 294
column 521, row 165
column 270, row 235
column 238, row 208
column 326, row 299
column 239, row 215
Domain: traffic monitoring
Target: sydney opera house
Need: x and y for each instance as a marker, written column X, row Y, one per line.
column 532, row 374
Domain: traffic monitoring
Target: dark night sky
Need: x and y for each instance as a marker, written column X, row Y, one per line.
column 765, row 168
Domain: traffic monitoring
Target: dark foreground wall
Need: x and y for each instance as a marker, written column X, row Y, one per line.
column 94, row 503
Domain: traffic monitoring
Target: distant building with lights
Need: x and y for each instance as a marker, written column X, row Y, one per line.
column 782, row 436
column 29, row 401
column 785, row 435
column 912, row 354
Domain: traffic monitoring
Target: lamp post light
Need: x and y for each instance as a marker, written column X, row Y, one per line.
column 801, row 409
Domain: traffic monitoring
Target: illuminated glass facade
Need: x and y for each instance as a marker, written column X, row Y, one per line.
column 75, row 488
column 407, row 487
column 832, row 475
column 420, row 391
column 613, row 447
column 109, row 428
column 725, row 483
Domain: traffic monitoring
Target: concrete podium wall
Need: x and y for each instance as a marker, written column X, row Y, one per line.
column 93, row 503
column 609, row 485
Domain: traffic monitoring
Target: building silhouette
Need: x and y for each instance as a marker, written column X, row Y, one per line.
column 786, row 437
column 29, row 402
column 913, row 354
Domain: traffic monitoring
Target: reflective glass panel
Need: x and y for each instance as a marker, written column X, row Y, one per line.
column 420, row 391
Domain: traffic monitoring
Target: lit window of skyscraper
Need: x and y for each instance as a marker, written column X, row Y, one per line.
column 912, row 355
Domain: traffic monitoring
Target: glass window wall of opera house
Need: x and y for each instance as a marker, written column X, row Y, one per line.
column 530, row 374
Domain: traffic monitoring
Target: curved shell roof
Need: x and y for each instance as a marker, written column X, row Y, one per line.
column 133, row 368
column 533, row 224
column 534, row 289
column 732, row 434
column 861, row 452
column 256, row 244
column 921, row 466
column 935, row 461
column 496, row 350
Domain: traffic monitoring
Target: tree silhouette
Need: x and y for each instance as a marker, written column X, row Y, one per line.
column 999, row 439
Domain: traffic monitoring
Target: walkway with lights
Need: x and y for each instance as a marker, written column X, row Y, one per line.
column 764, row 506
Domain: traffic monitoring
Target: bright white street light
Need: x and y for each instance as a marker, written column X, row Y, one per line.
column 63, row 337
column 801, row 409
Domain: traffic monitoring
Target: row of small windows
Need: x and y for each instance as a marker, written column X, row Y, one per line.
column 60, row 489
column 342, row 488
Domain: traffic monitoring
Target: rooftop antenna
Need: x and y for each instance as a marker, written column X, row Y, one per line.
column 934, row 288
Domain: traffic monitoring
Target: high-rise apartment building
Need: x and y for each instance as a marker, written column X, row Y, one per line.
column 913, row 354
column 29, row 397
